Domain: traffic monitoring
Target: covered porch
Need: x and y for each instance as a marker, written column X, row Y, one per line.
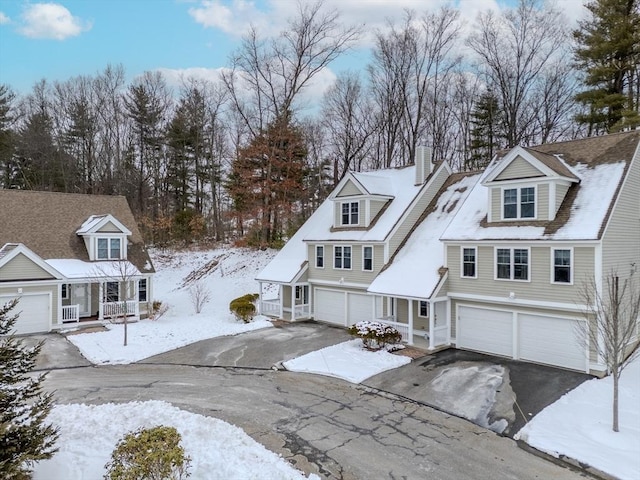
column 421, row 322
column 99, row 301
column 290, row 302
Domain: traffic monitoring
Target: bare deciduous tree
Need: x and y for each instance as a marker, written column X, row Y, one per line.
column 613, row 312
column 200, row 296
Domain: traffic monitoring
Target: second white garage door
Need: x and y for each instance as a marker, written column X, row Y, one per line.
column 329, row 306
column 34, row 313
column 360, row 308
column 539, row 338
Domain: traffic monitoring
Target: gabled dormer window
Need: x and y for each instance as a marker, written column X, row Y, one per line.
column 350, row 213
column 518, row 203
column 109, row 248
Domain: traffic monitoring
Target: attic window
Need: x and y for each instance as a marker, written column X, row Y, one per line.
column 109, row 248
column 518, row 203
column 350, row 214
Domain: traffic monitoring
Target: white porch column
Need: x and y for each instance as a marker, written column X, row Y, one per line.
column 374, row 309
column 281, row 298
column 260, row 299
column 293, row 302
column 410, row 313
column 432, row 325
column 100, row 300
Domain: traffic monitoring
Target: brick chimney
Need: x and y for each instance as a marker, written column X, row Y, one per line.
column 423, row 164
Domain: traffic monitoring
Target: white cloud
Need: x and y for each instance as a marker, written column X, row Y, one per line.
column 4, row 19
column 176, row 77
column 233, row 19
column 50, row 21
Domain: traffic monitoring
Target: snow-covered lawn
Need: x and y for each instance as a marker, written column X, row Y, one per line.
column 226, row 273
column 347, row 360
column 218, row 450
column 578, row 425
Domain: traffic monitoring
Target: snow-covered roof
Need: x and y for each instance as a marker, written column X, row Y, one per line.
column 414, row 272
column 90, row 223
column 398, row 183
column 77, row 269
column 588, row 211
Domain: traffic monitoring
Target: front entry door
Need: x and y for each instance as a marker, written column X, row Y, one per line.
column 80, row 295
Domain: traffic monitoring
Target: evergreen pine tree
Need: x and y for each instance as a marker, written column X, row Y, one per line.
column 485, row 132
column 24, row 436
column 608, row 52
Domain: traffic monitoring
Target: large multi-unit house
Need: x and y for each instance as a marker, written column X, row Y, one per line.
column 71, row 258
column 495, row 261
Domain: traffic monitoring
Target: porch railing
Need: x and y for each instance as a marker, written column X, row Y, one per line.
column 403, row 328
column 70, row 313
column 270, row 307
column 302, row 311
column 118, row 309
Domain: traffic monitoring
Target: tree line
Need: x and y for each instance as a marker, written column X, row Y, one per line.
column 244, row 157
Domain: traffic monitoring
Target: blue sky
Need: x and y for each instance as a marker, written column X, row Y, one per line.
column 59, row 39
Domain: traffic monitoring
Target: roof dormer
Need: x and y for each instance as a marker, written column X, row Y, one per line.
column 527, row 185
column 105, row 237
column 358, row 199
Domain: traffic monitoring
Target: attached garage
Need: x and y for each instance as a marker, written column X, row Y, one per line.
column 329, row 306
column 34, row 312
column 521, row 335
column 360, row 307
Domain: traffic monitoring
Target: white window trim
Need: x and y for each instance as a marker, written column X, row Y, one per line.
column 419, row 308
column 553, row 265
column 324, row 257
column 462, row 249
column 372, row 256
column 350, row 222
column 511, row 264
column 333, row 260
column 108, row 238
column 518, row 189
column 146, row 289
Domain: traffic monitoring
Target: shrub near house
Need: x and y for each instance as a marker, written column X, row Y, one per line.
column 244, row 307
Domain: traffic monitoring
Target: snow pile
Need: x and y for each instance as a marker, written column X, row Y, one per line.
column 578, row 426
column 348, row 361
column 218, row 450
column 226, row 274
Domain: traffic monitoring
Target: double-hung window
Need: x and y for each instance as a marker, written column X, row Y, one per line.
column 142, row 290
column 109, row 248
column 469, row 262
column 424, row 309
column 111, row 293
column 350, row 213
column 319, row 256
column 519, row 203
column 342, row 257
column 65, row 291
column 367, row 258
column 561, row 266
column 512, row 263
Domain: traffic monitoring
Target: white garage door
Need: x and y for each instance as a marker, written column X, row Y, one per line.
column 360, row 307
column 485, row 330
column 34, row 313
column 329, row 306
column 551, row 340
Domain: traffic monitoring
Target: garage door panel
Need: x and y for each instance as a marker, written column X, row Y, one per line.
column 550, row 340
column 34, row 313
column 329, row 306
column 485, row 330
column 360, row 308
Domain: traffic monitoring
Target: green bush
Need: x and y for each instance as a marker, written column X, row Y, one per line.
column 375, row 335
column 149, row 454
column 244, row 307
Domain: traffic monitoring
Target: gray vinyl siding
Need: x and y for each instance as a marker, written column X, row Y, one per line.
column 22, row 268
column 375, row 206
column 538, row 288
column 621, row 241
column 542, row 201
column 28, row 289
column 95, row 298
column 349, row 189
column 496, row 204
column 423, row 202
column 519, row 168
column 337, row 212
column 286, row 296
column 355, row 275
column 109, row 228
